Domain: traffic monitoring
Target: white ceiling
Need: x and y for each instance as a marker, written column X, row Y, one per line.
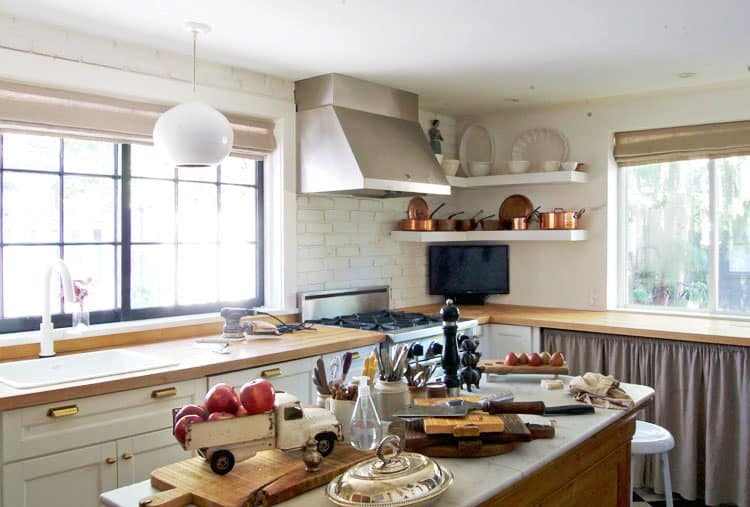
column 461, row 56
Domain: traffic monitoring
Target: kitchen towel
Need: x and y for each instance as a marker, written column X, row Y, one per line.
column 601, row 391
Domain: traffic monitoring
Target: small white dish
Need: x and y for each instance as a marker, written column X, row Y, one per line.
column 450, row 166
column 551, row 165
column 569, row 166
column 518, row 166
column 479, row 168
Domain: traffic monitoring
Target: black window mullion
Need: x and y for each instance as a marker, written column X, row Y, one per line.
column 259, row 232
column 61, row 250
column 125, row 250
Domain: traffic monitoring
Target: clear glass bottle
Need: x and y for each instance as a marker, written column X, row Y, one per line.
column 364, row 428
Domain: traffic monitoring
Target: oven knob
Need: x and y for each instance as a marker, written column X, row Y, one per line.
column 435, row 349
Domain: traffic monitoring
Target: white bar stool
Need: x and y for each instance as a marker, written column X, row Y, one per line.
column 652, row 439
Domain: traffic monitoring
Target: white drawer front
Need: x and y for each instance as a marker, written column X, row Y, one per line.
column 28, row 432
column 290, row 376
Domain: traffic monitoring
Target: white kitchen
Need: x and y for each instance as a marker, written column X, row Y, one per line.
column 313, row 193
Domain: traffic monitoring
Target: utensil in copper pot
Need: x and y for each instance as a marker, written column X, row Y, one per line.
column 447, row 224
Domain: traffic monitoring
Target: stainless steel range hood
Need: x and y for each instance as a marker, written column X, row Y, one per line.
column 359, row 138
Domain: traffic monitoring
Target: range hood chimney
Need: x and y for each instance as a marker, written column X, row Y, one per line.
column 360, row 138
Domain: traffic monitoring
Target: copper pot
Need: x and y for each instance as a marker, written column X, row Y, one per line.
column 519, row 223
column 447, row 224
column 560, row 219
column 491, row 225
column 415, row 224
column 468, row 224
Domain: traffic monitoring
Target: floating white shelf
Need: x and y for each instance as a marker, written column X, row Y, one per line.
column 537, row 178
column 445, row 237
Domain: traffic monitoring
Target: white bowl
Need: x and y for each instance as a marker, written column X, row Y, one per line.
column 450, row 166
column 478, row 168
column 551, row 165
column 518, row 166
column 569, row 166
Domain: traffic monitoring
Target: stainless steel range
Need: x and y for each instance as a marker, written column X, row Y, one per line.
column 368, row 308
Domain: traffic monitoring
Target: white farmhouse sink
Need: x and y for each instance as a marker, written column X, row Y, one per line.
column 60, row 369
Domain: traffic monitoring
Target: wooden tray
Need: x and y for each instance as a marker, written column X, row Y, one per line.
column 268, row 478
column 499, row 368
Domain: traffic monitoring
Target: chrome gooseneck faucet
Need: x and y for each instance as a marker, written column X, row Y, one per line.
column 46, row 340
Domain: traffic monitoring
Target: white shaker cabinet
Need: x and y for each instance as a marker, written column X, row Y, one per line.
column 499, row 339
column 67, row 453
column 291, row 376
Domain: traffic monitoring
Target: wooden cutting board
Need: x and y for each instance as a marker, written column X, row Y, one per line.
column 268, row 478
column 484, row 422
column 499, row 368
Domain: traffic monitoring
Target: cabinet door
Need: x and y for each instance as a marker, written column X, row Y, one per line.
column 66, row 479
column 138, row 456
column 290, row 376
column 505, row 338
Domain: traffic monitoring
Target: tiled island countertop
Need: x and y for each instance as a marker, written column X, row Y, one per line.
column 479, row 480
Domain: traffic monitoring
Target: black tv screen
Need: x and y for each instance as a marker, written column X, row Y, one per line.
column 479, row 270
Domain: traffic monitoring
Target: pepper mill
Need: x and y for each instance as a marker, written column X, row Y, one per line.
column 450, row 361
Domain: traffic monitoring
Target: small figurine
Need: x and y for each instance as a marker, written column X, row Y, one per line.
column 436, row 138
column 469, row 374
column 311, row 456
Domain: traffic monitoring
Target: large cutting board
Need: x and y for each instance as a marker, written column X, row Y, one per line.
column 484, row 422
column 268, row 478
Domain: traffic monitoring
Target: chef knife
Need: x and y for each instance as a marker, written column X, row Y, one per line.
column 454, row 409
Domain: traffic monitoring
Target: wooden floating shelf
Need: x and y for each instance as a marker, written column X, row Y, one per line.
column 445, row 237
column 536, row 178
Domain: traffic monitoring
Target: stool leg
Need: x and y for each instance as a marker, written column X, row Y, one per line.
column 664, row 457
column 632, row 480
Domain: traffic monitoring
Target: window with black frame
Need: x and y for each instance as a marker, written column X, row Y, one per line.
column 142, row 239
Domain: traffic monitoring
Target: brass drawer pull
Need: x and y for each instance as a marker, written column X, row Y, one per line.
column 273, row 372
column 355, row 355
column 126, row 456
column 110, row 461
column 164, row 393
column 65, row 411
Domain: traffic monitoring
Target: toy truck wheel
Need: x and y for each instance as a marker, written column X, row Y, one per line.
column 325, row 443
column 222, row 462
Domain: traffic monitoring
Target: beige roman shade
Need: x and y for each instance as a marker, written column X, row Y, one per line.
column 713, row 140
column 46, row 111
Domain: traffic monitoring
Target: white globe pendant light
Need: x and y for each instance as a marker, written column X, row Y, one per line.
column 193, row 134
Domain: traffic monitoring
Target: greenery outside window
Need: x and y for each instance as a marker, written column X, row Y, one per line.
column 154, row 241
column 685, row 235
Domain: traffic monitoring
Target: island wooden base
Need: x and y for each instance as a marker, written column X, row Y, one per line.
column 597, row 472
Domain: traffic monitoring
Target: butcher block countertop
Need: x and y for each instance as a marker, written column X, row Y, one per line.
column 668, row 327
column 195, row 362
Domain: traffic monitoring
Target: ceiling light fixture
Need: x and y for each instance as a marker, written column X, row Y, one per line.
column 194, row 134
column 685, row 75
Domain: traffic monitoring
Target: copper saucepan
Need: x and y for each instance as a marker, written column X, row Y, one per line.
column 560, row 219
column 448, row 224
column 522, row 223
column 419, row 224
column 468, row 224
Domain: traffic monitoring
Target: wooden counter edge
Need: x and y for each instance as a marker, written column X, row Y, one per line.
column 595, row 472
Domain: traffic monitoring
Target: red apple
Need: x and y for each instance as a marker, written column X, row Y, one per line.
column 180, row 427
column 257, row 396
column 557, row 359
column 545, row 357
column 191, row 409
column 218, row 416
column 222, row 398
column 535, row 359
column 511, row 359
column 523, row 358
column 242, row 412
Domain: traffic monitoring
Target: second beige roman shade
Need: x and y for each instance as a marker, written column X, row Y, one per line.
column 715, row 140
column 46, row 111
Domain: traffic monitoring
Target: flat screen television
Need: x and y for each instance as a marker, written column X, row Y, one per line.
column 468, row 273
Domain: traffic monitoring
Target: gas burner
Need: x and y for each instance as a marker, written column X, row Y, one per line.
column 383, row 320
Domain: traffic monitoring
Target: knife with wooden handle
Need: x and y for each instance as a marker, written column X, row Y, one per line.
column 460, row 408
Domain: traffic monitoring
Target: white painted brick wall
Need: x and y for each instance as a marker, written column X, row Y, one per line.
column 357, row 249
